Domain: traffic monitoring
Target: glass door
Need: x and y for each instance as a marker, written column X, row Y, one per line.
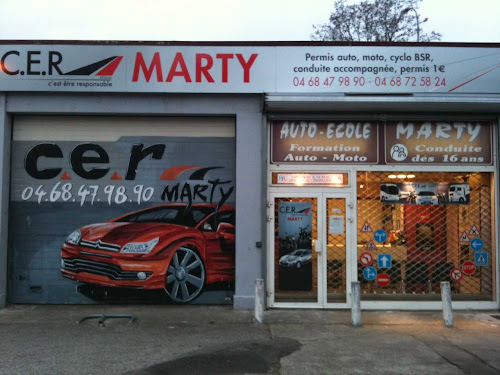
column 337, row 259
column 295, row 261
column 309, row 250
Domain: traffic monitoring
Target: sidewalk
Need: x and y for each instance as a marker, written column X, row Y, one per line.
column 220, row 340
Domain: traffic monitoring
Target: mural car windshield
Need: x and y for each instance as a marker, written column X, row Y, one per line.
column 170, row 215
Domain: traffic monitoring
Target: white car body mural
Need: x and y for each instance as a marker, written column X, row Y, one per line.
column 296, row 259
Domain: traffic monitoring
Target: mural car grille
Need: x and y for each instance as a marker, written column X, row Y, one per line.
column 101, row 245
column 100, row 268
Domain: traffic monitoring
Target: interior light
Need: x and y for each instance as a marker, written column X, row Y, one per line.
column 392, row 176
column 411, row 176
column 300, row 180
column 361, row 186
column 401, row 176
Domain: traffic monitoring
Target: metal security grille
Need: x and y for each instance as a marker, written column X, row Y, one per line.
column 438, row 227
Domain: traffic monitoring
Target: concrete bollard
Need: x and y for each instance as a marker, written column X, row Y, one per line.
column 356, row 304
column 446, row 299
column 259, row 300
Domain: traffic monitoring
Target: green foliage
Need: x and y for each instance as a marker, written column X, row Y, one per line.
column 375, row 21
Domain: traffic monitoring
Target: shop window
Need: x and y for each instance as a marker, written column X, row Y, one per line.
column 425, row 237
column 431, row 220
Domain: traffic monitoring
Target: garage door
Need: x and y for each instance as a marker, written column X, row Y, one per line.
column 122, row 209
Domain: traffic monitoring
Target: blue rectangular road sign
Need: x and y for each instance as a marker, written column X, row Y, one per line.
column 384, row 261
column 481, row 258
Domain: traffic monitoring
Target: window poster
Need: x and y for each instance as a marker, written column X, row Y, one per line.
column 424, row 193
column 295, row 245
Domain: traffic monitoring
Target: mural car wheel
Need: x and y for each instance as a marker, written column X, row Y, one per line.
column 298, row 265
column 185, row 276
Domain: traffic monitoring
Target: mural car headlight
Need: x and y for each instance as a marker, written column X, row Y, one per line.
column 74, row 238
column 140, row 247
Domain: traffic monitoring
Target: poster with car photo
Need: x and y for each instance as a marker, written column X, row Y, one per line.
column 425, row 193
column 295, row 246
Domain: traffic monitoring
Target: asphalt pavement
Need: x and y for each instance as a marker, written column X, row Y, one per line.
column 46, row 339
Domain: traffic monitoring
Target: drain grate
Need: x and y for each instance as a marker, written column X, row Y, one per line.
column 495, row 316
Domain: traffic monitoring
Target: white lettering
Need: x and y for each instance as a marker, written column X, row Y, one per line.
column 401, row 129
column 442, row 130
column 473, row 131
column 425, row 131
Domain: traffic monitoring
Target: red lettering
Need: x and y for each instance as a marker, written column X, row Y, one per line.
column 141, row 64
column 224, row 57
column 204, row 69
column 246, row 65
column 183, row 72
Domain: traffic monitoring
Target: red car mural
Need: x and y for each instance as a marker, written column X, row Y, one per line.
column 175, row 247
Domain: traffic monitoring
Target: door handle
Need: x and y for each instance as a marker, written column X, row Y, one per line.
column 318, row 246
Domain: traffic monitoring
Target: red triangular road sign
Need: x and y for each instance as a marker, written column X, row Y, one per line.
column 464, row 237
column 474, row 231
column 366, row 227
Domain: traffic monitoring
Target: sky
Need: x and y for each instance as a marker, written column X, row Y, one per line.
column 219, row 20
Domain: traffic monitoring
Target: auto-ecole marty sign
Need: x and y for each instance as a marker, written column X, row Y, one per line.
column 249, row 69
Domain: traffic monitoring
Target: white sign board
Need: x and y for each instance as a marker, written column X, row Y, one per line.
column 310, row 179
column 336, row 224
column 249, row 69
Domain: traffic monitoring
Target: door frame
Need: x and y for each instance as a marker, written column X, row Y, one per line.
column 350, row 248
column 351, row 252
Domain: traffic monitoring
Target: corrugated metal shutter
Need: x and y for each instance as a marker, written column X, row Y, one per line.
column 43, row 212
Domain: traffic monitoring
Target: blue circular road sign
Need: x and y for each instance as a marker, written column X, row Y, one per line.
column 370, row 273
column 477, row 244
column 380, row 235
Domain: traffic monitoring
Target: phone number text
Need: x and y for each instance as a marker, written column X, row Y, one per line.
column 361, row 81
column 87, row 194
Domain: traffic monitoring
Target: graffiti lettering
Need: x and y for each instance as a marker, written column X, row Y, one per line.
column 48, row 150
column 78, row 158
column 137, row 154
column 189, row 194
column 82, row 154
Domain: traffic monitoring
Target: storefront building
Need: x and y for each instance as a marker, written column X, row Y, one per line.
column 182, row 173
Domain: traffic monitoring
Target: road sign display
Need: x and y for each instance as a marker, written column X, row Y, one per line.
column 477, row 244
column 380, row 235
column 371, row 245
column 481, row 258
column 468, row 267
column 456, row 274
column 383, row 279
column 474, row 231
column 464, row 237
column 366, row 259
column 384, row 261
column 366, row 227
column 370, row 273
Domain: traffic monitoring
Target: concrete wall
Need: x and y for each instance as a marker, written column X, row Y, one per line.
column 249, row 150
